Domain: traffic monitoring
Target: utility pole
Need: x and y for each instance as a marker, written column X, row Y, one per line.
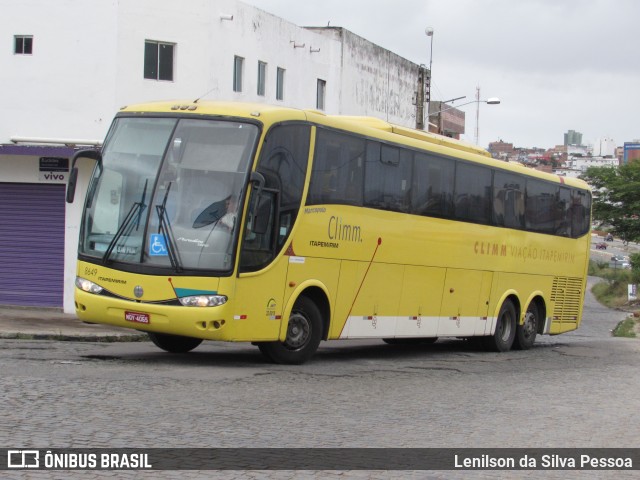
column 420, row 99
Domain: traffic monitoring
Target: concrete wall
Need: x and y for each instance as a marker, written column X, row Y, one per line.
column 374, row 81
column 205, row 50
column 65, row 88
column 88, row 57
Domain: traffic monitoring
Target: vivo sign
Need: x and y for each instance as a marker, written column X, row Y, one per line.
column 53, row 169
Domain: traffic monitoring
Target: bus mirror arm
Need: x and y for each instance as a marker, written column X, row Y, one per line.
column 73, row 174
column 258, row 181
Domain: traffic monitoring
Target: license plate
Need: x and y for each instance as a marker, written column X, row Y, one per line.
column 137, row 317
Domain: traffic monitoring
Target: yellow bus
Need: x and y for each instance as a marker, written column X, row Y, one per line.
column 283, row 227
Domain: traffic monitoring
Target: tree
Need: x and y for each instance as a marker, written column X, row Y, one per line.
column 616, row 198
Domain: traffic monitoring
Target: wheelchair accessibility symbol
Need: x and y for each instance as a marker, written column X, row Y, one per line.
column 157, row 245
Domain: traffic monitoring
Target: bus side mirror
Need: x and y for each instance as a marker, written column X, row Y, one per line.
column 73, row 175
column 260, row 224
column 71, row 184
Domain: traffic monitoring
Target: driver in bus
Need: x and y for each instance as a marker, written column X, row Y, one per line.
column 228, row 220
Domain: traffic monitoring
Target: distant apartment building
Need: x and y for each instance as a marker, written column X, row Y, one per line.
column 631, row 152
column 68, row 67
column 446, row 120
column 579, row 150
column 576, row 166
column 604, row 147
column 573, row 138
column 501, row 150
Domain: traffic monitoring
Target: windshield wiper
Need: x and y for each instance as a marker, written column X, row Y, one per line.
column 164, row 228
column 127, row 225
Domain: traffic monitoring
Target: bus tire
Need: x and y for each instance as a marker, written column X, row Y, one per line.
column 411, row 341
column 502, row 339
column 174, row 343
column 526, row 333
column 304, row 332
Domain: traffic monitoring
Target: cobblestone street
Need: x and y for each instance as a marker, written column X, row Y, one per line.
column 573, row 390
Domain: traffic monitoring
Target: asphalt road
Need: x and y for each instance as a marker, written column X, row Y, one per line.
column 614, row 248
column 574, row 390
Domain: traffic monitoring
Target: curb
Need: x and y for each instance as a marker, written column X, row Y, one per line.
column 75, row 338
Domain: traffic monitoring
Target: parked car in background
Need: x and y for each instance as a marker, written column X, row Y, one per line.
column 618, row 261
column 601, row 246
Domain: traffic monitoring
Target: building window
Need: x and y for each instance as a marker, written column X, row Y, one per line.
column 262, row 78
column 158, row 60
column 321, row 94
column 23, row 44
column 280, row 84
column 238, row 66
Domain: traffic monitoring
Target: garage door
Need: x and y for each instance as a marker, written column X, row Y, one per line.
column 31, row 244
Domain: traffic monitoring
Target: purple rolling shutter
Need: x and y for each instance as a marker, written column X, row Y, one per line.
column 32, row 226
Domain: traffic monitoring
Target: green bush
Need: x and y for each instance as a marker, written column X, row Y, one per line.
column 626, row 328
column 603, row 270
column 613, row 292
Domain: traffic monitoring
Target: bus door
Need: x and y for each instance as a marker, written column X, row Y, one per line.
column 261, row 282
column 465, row 303
column 272, row 212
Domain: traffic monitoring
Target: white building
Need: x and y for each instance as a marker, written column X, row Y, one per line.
column 604, row 147
column 576, row 166
column 69, row 65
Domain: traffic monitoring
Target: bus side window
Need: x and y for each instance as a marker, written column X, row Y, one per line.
column 563, row 212
column 338, row 166
column 473, row 193
column 580, row 213
column 432, row 189
column 539, row 206
column 257, row 247
column 508, row 200
column 387, row 177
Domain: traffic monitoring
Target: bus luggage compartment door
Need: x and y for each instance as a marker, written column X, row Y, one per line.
column 465, row 303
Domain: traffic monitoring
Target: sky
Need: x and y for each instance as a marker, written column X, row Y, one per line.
column 555, row 65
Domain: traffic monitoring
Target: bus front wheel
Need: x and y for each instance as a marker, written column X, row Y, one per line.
column 502, row 339
column 174, row 343
column 304, row 332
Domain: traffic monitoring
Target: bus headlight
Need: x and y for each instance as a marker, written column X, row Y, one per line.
column 203, row 300
column 87, row 285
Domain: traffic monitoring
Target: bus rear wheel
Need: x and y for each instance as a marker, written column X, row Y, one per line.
column 502, row 339
column 174, row 343
column 526, row 333
column 304, row 332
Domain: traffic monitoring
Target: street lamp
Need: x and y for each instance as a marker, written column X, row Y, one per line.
column 488, row 101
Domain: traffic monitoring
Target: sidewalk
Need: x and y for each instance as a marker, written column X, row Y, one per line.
column 52, row 324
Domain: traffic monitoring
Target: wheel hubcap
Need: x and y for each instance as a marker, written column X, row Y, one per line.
column 298, row 331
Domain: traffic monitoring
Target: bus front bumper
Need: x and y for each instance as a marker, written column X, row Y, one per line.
column 209, row 323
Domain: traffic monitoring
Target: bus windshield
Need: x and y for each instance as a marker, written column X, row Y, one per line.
column 167, row 193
